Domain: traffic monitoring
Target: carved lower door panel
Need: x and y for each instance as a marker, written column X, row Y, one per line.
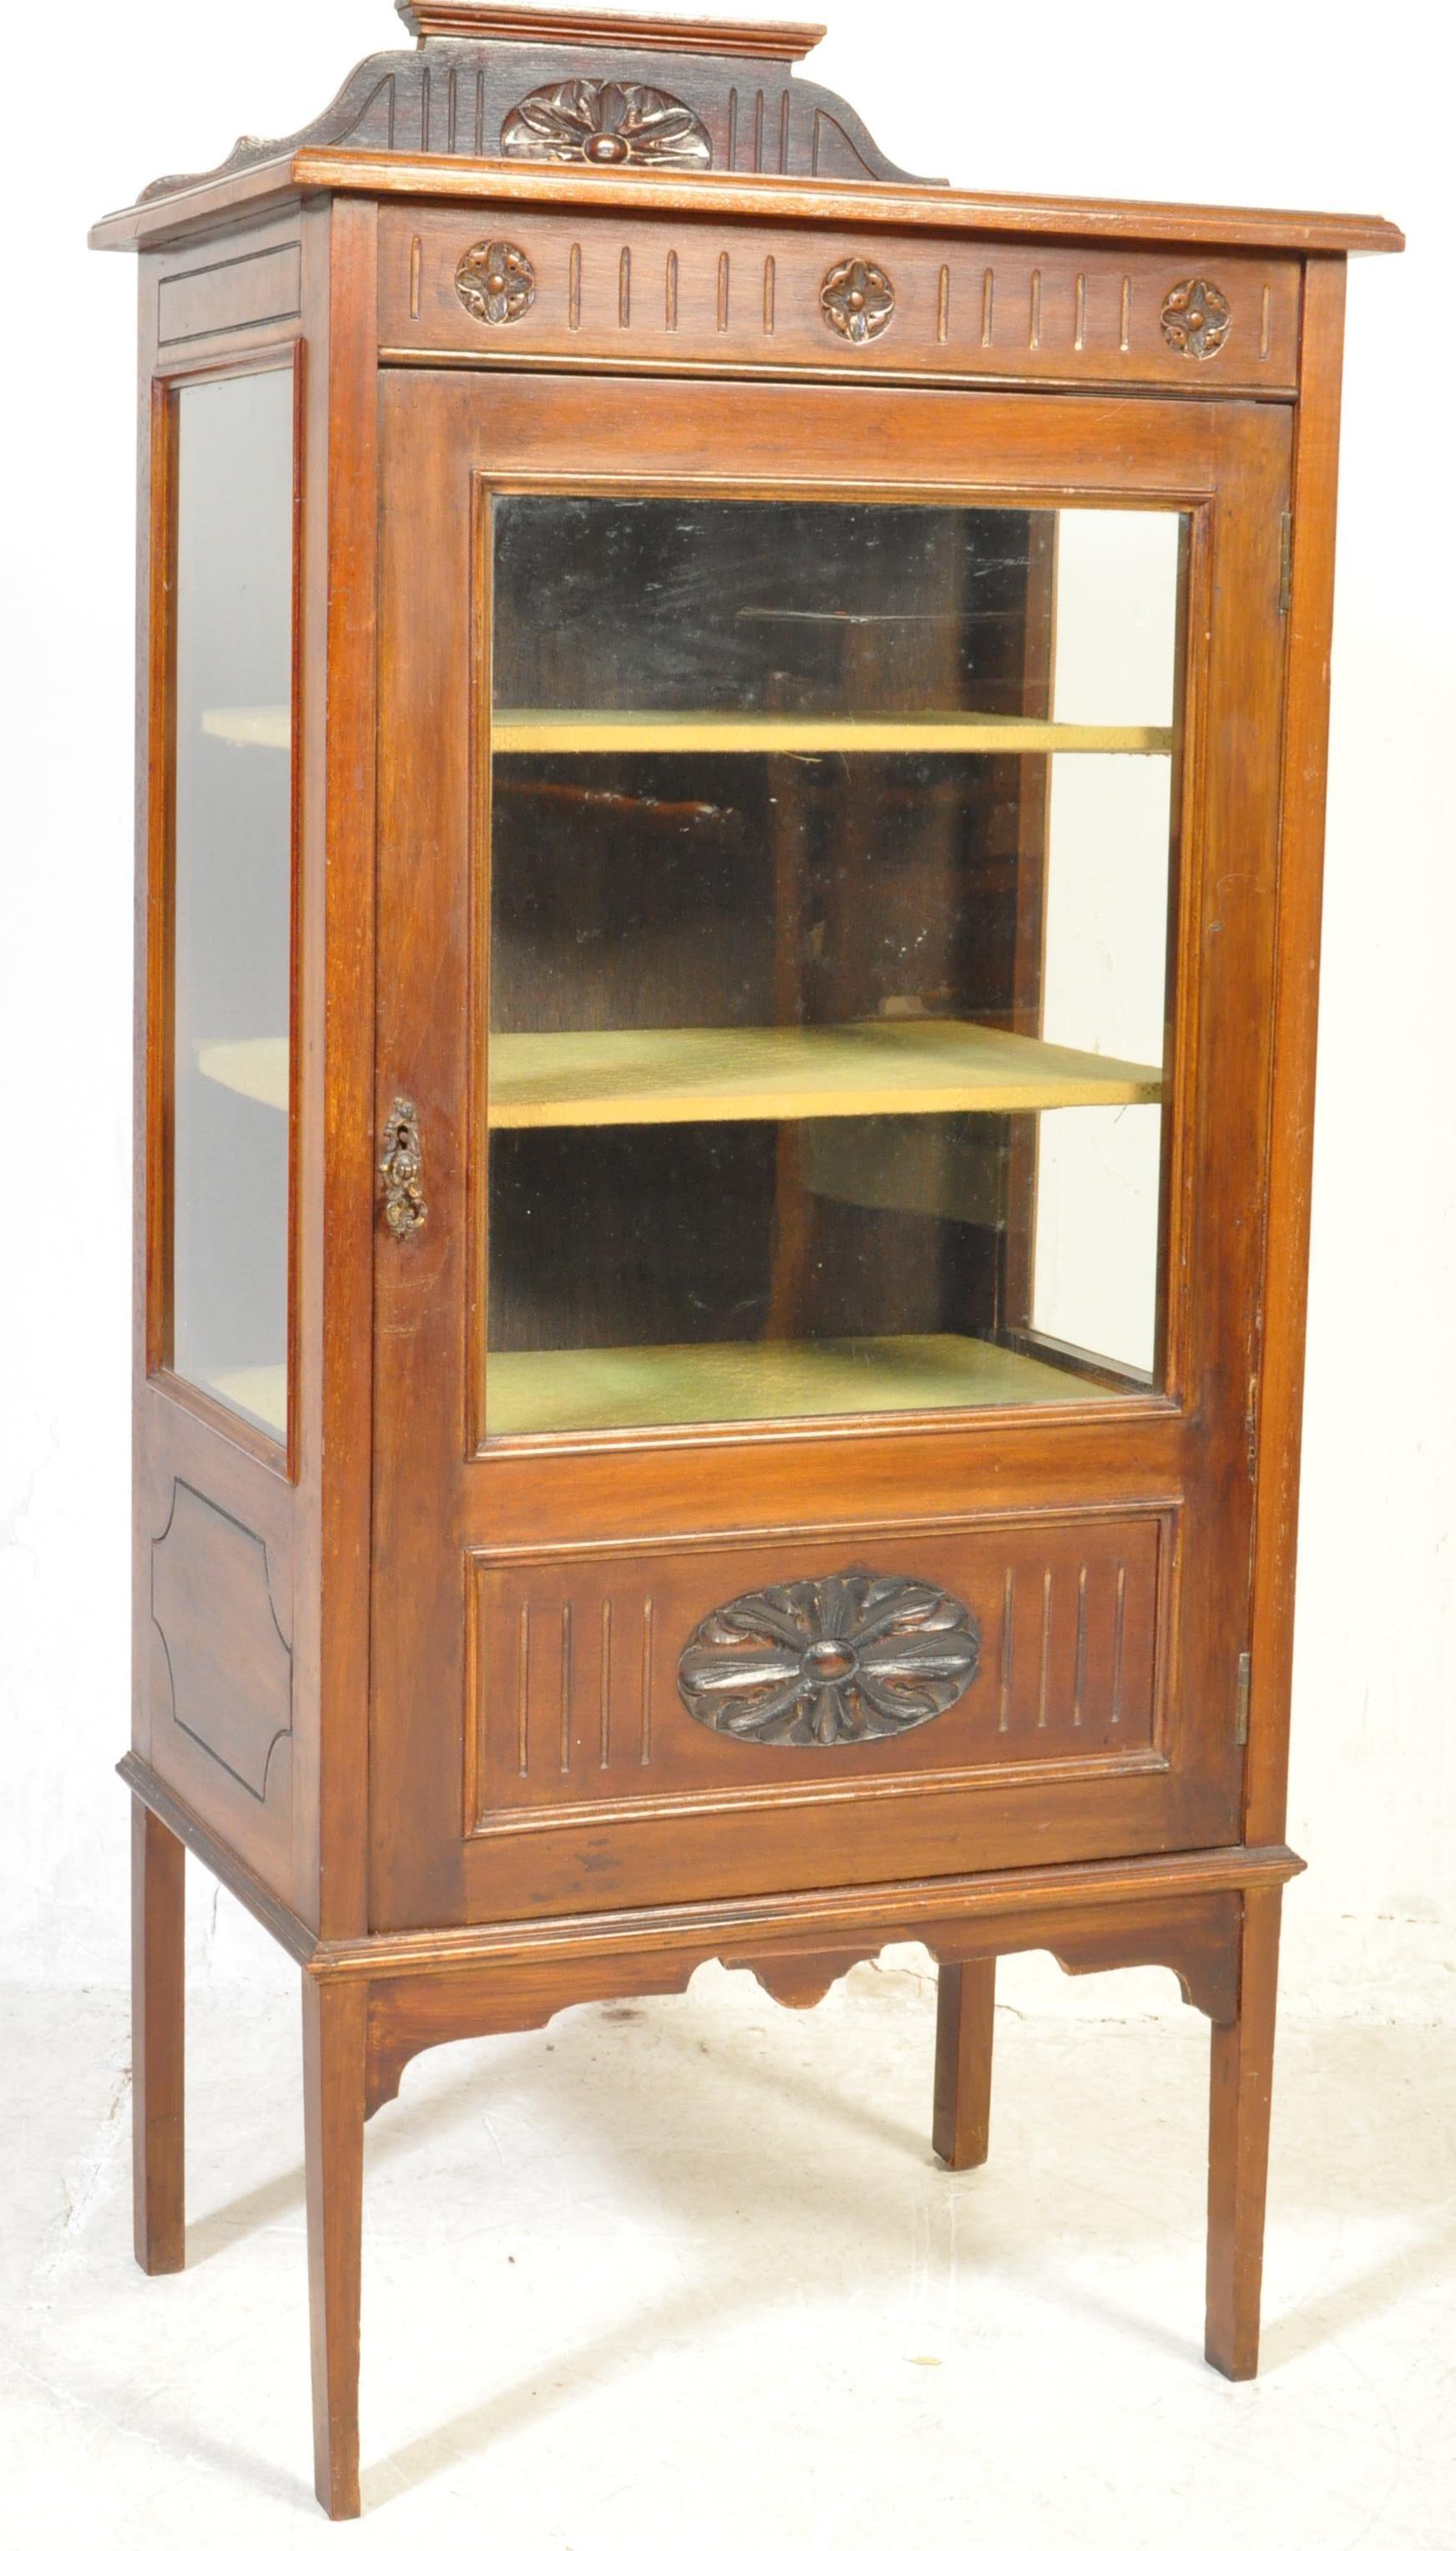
column 749, row 1715
column 761, row 1671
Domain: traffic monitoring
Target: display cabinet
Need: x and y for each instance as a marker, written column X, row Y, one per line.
column 733, row 752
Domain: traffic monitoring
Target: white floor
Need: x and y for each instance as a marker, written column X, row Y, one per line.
column 683, row 2273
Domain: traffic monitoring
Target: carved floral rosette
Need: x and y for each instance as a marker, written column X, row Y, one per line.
column 496, row 281
column 857, row 300
column 837, row 1660
column 1196, row 318
column 611, row 124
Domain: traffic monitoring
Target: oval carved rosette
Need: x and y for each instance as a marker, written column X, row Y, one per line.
column 839, row 1660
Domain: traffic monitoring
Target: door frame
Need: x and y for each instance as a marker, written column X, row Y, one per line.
column 443, row 1501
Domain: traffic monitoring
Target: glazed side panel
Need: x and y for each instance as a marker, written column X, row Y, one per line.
column 226, row 1666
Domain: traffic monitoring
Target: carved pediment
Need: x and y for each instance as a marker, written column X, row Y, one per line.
column 493, row 81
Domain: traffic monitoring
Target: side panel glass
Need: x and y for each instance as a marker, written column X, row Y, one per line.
column 232, row 915
column 1104, row 973
column 829, row 1008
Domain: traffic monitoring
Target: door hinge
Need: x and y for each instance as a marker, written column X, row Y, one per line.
column 1241, row 1715
column 1286, row 561
column 1251, row 1426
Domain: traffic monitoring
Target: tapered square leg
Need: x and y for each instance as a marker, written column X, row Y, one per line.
column 1238, row 2144
column 333, row 2016
column 158, row 1872
column 965, row 2020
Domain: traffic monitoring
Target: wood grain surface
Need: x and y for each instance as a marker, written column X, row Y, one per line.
column 410, row 1682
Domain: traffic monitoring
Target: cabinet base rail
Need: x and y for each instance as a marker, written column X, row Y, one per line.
column 370, row 2004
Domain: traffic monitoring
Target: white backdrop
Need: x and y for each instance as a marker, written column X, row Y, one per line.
column 1260, row 104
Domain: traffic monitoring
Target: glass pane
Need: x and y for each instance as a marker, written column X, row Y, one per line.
column 830, row 1001
column 233, row 863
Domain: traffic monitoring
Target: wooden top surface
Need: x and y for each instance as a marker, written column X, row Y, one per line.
column 758, row 40
column 845, row 203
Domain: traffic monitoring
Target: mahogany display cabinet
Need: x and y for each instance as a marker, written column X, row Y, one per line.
column 732, row 750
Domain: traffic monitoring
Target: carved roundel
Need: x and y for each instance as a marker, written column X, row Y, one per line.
column 496, row 280
column 857, row 300
column 1196, row 318
column 611, row 124
column 829, row 1660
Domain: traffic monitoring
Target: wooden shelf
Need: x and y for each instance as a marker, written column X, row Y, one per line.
column 273, row 728
column 256, row 1067
column 722, row 1075
column 583, row 1389
column 516, row 731
column 714, row 1075
column 733, row 730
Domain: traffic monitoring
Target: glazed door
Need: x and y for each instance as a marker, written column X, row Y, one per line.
column 826, row 863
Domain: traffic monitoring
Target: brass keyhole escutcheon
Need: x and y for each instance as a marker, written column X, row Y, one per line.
column 401, row 1169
